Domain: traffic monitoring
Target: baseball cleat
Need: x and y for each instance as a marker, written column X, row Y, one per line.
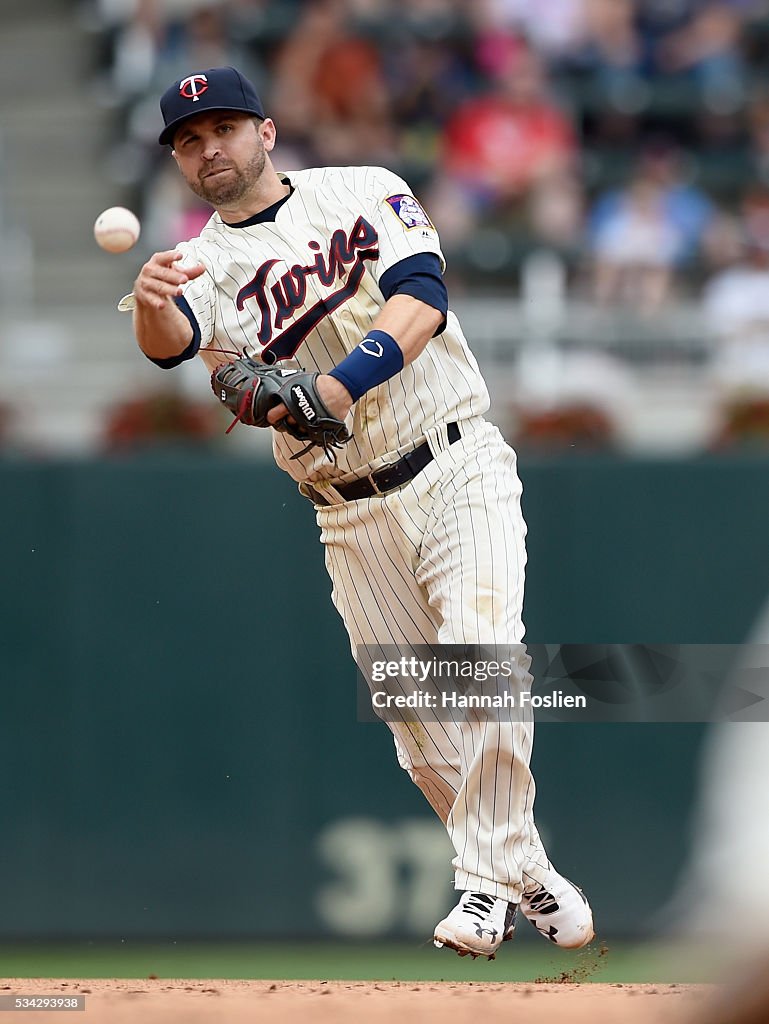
column 559, row 911
column 476, row 925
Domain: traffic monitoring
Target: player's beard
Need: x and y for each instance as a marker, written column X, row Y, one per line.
column 234, row 186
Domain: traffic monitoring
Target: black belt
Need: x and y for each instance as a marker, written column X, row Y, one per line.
column 388, row 477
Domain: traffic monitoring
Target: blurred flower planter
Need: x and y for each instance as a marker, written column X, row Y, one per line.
column 162, row 420
column 745, row 424
column 569, row 428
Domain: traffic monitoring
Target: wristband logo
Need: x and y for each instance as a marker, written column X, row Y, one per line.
column 376, row 350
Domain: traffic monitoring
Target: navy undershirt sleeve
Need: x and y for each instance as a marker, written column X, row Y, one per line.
column 421, row 277
column 194, row 345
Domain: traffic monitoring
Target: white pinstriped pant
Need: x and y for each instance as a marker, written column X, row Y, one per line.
column 441, row 561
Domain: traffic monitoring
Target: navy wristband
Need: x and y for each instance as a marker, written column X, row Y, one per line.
column 375, row 360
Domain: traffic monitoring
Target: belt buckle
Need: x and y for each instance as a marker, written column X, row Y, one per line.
column 372, row 481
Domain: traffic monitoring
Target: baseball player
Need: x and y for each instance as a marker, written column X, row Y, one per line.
column 317, row 301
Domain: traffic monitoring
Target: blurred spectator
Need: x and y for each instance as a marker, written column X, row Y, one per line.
column 154, row 49
column 555, row 213
column 136, row 45
column 609, row 59
column 427, row 80
column 553, row 29
column 202, row 40
column 641, row 234
column 707, row 49
column 328, row 90
column 427, row 19
column 610, row 47
column 634, row 249
column 706, row 56
column 658, row 18
column 722, row 241
column 500, row 144
column 158, row 38
column 465, row 99
column 736, row 303
column 758, row 128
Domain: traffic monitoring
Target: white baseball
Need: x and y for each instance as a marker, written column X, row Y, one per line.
column 117, row 229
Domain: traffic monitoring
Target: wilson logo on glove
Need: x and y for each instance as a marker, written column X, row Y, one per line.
column 251, row 390
column 303, row 402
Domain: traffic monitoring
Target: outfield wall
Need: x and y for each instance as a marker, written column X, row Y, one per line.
column 179, row 750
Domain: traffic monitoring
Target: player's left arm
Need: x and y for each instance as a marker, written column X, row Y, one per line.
column 412, row 321
column 404, row 317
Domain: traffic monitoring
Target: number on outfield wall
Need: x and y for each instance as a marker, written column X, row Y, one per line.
column 385, row 876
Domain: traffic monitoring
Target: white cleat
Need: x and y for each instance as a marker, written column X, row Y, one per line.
column 476, row 925
column 559, row 911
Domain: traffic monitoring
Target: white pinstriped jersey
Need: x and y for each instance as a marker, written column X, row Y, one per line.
column 439, row 560
column 304, row 289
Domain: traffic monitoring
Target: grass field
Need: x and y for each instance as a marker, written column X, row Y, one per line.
column 522, row 961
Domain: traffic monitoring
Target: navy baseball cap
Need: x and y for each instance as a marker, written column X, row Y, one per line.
column 214, row 89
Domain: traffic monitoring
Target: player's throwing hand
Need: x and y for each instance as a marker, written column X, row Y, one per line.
column 160, row 279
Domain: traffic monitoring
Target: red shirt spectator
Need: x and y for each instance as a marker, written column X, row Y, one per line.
column 507, row 140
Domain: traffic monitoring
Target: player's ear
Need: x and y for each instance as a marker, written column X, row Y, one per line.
column 269, row 133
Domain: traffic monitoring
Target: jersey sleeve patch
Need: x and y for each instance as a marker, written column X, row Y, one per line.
column 408, row 210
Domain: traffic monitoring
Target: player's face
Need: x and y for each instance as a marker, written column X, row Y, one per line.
column 221, row 155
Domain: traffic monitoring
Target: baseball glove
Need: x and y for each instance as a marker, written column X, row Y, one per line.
column 250, row 389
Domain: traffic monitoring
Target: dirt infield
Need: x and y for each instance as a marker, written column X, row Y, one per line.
column 165, row 1001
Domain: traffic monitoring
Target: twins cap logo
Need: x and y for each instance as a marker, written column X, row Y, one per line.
column 193, row 87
